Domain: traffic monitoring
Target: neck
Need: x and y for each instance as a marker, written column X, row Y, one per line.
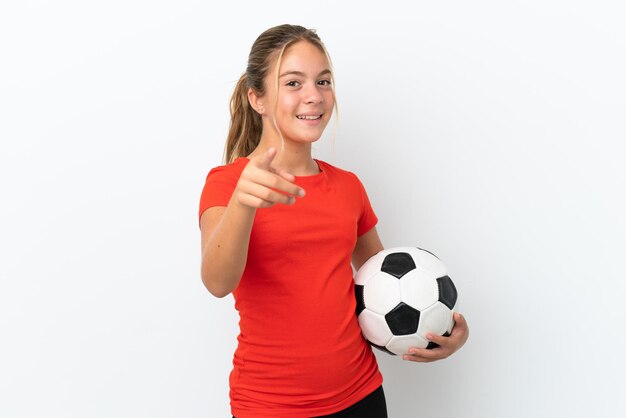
column 293, row 158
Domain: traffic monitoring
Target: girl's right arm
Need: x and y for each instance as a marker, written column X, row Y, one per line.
column 226, row 230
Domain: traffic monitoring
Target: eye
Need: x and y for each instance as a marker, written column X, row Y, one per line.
column 324, row 82
column 292, row 83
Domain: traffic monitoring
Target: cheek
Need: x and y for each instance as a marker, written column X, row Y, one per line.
column 287, row 106
column 329, row 99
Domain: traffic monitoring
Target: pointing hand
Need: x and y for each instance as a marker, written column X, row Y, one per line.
column 263, row 186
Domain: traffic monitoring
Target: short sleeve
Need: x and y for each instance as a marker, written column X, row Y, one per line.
column 219, row 186
column 367, row 219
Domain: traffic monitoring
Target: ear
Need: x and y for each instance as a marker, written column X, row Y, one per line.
column 255, row 101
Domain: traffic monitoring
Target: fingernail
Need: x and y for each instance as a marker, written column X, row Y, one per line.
column 301, row 192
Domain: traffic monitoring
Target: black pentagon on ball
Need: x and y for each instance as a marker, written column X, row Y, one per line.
column 398, row 264
column 360, row 301
column 447, row 291
column 403, row 319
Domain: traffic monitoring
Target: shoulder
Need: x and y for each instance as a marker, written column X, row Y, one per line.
column 337, row 172
column 220, row 183
column 333, row 169
column 231, row 170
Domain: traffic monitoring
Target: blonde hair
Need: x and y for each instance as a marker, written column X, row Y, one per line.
column 246, row 125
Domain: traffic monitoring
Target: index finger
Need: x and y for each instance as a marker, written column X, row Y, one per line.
column 265, row 160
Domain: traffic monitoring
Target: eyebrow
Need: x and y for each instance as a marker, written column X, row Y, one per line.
column 301, row 74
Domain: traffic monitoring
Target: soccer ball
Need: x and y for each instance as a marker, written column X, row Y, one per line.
column 402, row 294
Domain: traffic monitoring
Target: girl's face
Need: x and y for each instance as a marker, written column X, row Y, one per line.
column 304, row 100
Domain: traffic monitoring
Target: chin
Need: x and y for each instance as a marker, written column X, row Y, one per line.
column 303, row 138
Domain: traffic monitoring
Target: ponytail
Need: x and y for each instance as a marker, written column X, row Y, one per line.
column 246, row 125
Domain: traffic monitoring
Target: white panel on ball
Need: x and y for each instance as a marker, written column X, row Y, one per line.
column 418, row 289
column 429, row 262
column 435, row 319
column 374, row 327
column 400, row 344
column 451, row 324
column 382, row 293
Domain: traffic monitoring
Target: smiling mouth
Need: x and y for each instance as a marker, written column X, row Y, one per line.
column 309, row 117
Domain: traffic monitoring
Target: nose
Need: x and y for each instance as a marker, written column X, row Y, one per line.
column 312, row 95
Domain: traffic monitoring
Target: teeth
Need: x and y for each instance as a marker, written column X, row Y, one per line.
column 310, row 117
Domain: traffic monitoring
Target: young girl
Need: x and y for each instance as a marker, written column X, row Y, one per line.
column 281, row 231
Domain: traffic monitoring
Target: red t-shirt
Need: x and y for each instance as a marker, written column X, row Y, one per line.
column 300, row 349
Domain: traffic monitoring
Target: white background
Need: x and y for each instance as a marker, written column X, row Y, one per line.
column 491, row 133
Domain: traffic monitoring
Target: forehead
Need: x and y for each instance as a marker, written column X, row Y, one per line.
column 305, row 57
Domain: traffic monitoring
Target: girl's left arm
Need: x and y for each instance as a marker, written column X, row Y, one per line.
column 366, row 246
